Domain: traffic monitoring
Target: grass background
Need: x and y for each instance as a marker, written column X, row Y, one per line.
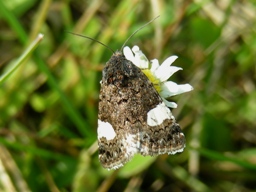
column 48, row 106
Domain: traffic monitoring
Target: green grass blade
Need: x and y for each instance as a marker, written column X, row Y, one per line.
column 22, row 58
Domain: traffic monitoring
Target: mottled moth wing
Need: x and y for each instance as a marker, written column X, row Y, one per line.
column 132, row 116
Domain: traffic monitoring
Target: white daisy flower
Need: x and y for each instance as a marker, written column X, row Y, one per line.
column 158, row 74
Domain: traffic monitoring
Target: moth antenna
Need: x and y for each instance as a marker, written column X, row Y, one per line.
column 92, row 40
column 138, row 30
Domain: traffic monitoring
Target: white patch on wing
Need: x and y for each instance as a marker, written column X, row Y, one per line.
column 105, row 129
column 133, row 144
column 157, row 115
column 115, row 167
column 176, row 151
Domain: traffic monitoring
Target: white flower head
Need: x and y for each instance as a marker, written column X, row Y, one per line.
column 158, row 74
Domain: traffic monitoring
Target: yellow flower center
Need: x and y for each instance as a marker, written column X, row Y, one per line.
column 156, row 82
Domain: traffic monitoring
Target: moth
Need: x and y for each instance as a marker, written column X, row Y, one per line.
column 133, row 117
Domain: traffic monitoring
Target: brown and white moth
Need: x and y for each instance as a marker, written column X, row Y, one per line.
column 133, row 117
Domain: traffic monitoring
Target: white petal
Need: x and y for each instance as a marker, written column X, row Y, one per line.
column 169, row 60
column 128, row 54
column 154, row 65
column 165, row 72
column 135, row 48
column 185, row 88
column 140, row 59
column 170, row 104
column 170, row 88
